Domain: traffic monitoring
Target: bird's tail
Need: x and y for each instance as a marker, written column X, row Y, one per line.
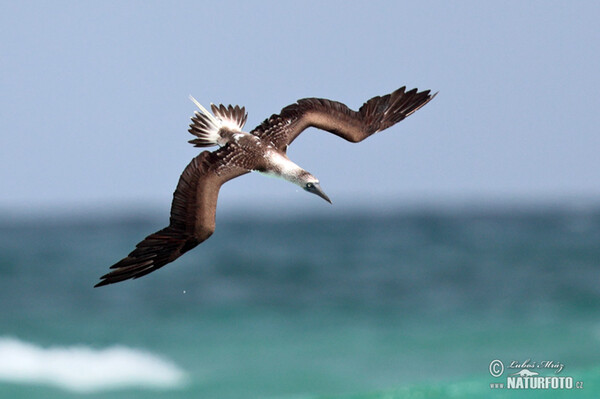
column 153, row 252
column 209, row 128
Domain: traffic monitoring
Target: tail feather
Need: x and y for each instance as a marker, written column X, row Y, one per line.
column 209, row 129
column 233, row 118
column 152, row 253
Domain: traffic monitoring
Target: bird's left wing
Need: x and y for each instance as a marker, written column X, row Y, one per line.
column 192, row 217
column 375, row 115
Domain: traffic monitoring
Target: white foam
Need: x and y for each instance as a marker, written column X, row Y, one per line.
column 84, row 369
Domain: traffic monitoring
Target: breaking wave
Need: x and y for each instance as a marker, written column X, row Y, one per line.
column 84, row 369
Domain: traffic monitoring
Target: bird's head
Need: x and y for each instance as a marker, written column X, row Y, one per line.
column 311, row 184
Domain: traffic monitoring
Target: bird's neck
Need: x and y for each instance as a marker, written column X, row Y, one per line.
column 280, row 166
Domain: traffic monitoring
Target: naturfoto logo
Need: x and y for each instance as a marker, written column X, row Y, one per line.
column 526, row 375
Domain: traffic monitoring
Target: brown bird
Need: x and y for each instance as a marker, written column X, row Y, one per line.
column 262, row 150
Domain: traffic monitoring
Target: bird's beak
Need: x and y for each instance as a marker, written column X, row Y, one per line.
column 316, row 189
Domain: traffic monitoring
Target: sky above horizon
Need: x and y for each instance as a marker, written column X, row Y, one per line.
column 94, row 98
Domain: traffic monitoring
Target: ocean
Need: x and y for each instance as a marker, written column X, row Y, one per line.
column 413, row 303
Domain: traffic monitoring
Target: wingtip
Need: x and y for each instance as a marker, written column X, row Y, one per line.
column 104, row 280
column 108, row 278
column 101, row 283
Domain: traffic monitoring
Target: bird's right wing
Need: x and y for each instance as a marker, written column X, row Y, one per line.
column 192, row 217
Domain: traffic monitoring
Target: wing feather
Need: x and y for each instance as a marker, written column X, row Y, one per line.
column 191, row 222
column 375, row 115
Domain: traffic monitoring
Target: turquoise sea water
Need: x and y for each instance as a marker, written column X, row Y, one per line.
column 412, row 304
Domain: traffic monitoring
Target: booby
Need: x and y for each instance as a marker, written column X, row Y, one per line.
column 263, row 150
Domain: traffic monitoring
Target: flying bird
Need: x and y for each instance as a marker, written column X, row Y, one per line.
column 261, row 150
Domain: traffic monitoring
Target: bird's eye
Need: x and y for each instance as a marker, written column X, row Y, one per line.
column 309, row 185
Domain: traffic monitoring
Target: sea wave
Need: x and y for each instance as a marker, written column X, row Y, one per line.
column 84, row 369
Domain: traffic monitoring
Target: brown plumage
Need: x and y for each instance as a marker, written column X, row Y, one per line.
column 195, row 199
column 192, row 218
column 375, row 115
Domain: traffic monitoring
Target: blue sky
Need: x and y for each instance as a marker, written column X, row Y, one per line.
column 94, row 98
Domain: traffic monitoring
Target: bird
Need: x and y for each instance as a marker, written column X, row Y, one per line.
column 263, row 150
